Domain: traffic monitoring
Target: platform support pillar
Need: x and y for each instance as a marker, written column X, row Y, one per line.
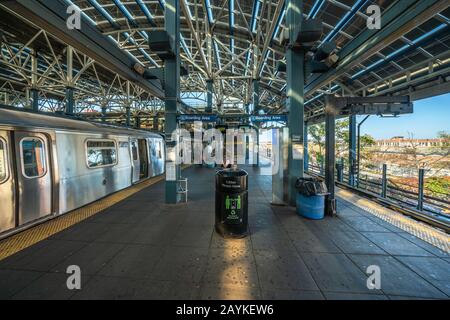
column 295, row 81
column 35, row 100
column 306, row 151
column 155, row 122
column 384, row 182
column 103, row 113
column 255, row 85
column 256, row 149
column 69, row 89
column 421, row 188
column 69, row 100
column 34, row 81
column 137, row 122
column 172, row 96
column 352, row 151
column 330, row 160
column 128, row 116
column 209, row 96
column 247, row 149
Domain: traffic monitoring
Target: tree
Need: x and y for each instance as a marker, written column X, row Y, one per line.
column 317, row 136
column 445, row 136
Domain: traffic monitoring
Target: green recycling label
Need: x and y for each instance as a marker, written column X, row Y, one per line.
column 233, row 209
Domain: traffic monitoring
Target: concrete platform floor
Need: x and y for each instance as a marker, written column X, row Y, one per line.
column 142, row 248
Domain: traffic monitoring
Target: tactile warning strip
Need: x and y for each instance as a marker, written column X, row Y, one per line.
column 27, row 238
column 422, row 231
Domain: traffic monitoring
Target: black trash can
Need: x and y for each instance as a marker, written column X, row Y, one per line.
column 232, row 203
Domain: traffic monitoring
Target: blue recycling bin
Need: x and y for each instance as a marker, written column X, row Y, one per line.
column 310, row 199
column 311, row 207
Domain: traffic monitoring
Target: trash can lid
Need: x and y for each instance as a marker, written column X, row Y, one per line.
column 228, row 173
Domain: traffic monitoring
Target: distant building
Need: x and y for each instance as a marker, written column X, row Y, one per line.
column 399, row 142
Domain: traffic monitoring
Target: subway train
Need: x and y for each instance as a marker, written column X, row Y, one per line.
column 50, row 165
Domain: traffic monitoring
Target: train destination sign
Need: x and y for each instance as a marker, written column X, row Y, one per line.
column 197, row 117
column 269, row 118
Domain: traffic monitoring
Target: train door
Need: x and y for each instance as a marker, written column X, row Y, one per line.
column 135, row 164
column 151, row 156
column 34, row 176
column 143, row 159
column 7, row 190
column 159, row 157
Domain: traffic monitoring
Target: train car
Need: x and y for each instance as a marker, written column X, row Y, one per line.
column 51, row 165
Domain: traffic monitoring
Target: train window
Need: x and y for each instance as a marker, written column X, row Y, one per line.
column 101, row 153
column 33, row 157
column 159, row 150
column 3, row 175
column 153, row 149
column 134, row 150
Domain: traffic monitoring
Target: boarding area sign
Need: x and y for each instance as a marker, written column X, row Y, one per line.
column 197, row 117
column 269, row 118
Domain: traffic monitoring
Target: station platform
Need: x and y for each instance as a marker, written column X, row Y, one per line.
column 141, row 248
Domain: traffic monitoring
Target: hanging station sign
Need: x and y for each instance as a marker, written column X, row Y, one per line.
column 268, row 118
column 197, row 117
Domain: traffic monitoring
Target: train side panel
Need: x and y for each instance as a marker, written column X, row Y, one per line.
column 80, row 182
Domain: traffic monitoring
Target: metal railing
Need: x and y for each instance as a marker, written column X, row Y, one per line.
column 413, row 197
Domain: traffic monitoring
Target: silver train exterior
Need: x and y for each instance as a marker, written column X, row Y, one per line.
column 52, row 165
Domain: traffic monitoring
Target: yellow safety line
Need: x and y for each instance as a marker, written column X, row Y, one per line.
column 29, row 237
column 422, row 231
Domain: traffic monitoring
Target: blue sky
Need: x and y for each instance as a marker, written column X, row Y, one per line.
column 430, row 116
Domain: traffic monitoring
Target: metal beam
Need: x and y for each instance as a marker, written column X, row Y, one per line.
column 398, row 19
column 51, row 16
column 435, row 90
column 194, row 34
column 268, row 35
column 34, row 81
column 295, row 63
column 306, row 151
column 209, row 96
column 255, row 84
column 128, row 116
column 352, row 150
column 330, row 156
column 172, row 87
column 69, row 100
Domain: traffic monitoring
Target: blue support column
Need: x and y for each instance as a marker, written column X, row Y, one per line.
column 103, row 113
column 128, row 115
column 352, row 151
column 35, row 100
column 172, row 96
column 247, row 149
column 247, row 108
column 69, row 101
column 421, row 188
column 305, row 152
column 209, row 96
column 137, row 122
column 295, row 65
column 155, row 122
column 330, row 160
column 255, row 84
column 69, row 86
column 384, row 182
column 256, row 163
column 34, row 82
